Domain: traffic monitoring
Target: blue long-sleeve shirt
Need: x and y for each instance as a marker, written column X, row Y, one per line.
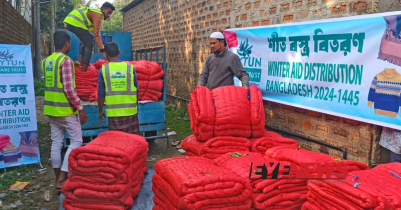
column 101, row 88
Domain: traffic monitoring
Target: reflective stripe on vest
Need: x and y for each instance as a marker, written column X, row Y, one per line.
column 56, row 103
column 121, row 93
column 79, row 18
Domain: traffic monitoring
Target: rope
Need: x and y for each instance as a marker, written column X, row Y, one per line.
column 356, row 177
column 394, row 174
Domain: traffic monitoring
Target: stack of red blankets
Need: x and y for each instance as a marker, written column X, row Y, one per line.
column 86, row 83
column 100, row 63
column 298, row 159
column 267, row 193
column 301, row 156
column 150, row 80
column 378, row 188
column 270, row 140
column 197, row 183
column 226, row 111
column 215, row 147
column 4, row 141
column 149, row 76
column 107, row 173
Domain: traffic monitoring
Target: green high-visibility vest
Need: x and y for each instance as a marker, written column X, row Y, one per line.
column 79, row 18
column 56, row 103
column 121, row 93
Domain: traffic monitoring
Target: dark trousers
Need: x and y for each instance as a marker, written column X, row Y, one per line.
column 395, row 158
column 86, row 45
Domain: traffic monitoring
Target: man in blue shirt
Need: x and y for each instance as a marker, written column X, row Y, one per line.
column 118, row 89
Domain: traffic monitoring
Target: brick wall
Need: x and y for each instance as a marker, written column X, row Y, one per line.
column 14, row 29
column 184, row 27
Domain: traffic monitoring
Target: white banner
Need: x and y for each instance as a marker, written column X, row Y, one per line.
column 19, row 143
column 349, row 67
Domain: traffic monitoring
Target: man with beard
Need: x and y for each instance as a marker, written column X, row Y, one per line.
column 222, row 65
column 83, row 20
column 62, row 104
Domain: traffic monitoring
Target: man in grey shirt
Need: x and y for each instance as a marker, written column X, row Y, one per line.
column 222, row 65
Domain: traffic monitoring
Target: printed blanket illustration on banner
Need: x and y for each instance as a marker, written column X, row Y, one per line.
column 29, row 144
column 390, row 46
column 9, row 154
column 385, row 93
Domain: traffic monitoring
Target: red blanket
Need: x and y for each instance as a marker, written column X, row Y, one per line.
column 197, row 183
column 215, row 146
column 378, row 188
column 301, row 156
column 226, row 111
column 268, row 193
column 109, row 170
column 86, row 83
column 150, row 79
column 149, row 76
column 269, row 140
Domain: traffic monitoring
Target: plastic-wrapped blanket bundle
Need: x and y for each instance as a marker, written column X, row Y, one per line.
column 226, row 111
column 86, row 83
column 107, row 173
column 270, row 140
column 378, row 188
column 197, row 183
column 215, row 147
column 267, row 193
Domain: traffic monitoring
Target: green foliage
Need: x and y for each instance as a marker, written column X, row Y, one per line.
column 62, row 10
column 177, row 120
column 115, row 22
column 39, row 85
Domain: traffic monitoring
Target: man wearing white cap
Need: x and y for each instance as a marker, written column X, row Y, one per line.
column 222, row 65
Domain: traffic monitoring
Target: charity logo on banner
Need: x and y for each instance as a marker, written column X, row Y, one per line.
column 349, row 67
column 19, row 143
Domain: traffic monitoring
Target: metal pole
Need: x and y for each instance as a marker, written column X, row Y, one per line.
column 52, row 24
column 38, row 57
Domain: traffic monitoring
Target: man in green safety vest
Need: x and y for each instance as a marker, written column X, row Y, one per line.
column 83, row 20
column 118, row 88
column 62, row 104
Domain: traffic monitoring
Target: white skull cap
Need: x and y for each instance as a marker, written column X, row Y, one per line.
column 217, row 35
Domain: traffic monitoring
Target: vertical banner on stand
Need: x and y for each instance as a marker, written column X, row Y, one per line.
column 19, row 143
column 348, row 67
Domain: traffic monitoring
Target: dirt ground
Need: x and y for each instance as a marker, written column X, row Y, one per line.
column 41, row 182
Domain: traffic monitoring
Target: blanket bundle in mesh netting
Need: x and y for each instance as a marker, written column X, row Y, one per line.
column 229, row 119
column 226, row 111
column 86, row 83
